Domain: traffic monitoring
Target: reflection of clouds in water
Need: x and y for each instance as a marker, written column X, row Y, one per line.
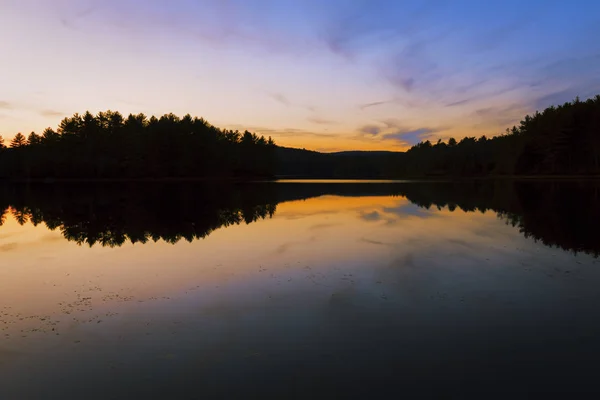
column 300, row 215
column 51, row 237
column 323, row 226
column 464, row 243
column 391, row 215
column 8, row 247
column 370, row 216
column 376, row 242
column 409, row 209
column 286, row 246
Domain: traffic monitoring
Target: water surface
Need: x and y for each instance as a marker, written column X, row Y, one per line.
column 299, row 290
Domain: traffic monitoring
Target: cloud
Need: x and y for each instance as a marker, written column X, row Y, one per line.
column 300, row 132
column 555, row 98
column 372, row 130
column 374, row 104
column 409, row 137
column 5, row 105
column 500, row 116
column 393, row 129
column 51, row 113
column 565, row 95
column 414, row 65
column 321, row 121
column 280, row 98
column 459, row 103
column 394, row 123
column 69, row 21
column 497, row 36
column 284, row 100
column 356, row 26
column 486, row 95
column 470, row 86
column 285, row 132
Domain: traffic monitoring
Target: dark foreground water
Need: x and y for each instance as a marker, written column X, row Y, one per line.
column 300, row 290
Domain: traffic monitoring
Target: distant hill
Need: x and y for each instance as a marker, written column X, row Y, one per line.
column 300, row 163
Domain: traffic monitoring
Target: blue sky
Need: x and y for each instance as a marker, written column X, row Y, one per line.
column 322, row 75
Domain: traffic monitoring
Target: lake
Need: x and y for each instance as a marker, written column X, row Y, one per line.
column 299, row 290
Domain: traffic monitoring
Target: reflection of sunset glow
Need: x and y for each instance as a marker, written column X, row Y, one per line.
column 377, row 269
column 40, row 270
column 334, row 204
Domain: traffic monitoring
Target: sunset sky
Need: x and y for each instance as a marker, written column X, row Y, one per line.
column 324, row 75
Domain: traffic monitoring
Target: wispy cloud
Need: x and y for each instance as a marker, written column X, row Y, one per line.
column 51, row 113
column 301, row 132
column 5, row 105
column 459, row 102
column 72, row 17
column 568, row 94
column 409, row 137
column 321, row 121
column 284, row 100
column 356, row 27
column 374, row 104
column 285, row 132
column 280, row 98
column 372, row 130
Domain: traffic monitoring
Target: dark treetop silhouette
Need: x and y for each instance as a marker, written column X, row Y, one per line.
column 109, row 146
column 563, row 214
column 563, row 140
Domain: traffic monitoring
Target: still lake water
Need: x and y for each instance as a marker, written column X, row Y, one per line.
column 299, row 290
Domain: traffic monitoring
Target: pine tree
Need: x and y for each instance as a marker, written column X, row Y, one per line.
column 18, row 141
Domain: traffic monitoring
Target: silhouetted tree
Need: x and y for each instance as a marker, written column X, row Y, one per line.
column 18, row 141
column 34, row 139
column 109, row 146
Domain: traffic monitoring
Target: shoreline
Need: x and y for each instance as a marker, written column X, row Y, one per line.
column 287, row 179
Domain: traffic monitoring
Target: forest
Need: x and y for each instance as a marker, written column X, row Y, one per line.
column 560, row 140
column 563, row 214
column 110, row 146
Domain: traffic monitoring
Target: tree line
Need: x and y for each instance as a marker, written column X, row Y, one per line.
column 110, row 146
column 561, row 140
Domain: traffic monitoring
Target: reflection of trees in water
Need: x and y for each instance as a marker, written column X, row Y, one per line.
column 559, row 214
column 562, row 214
column 112, row 216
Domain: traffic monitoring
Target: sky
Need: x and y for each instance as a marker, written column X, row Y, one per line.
column 322, row 75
